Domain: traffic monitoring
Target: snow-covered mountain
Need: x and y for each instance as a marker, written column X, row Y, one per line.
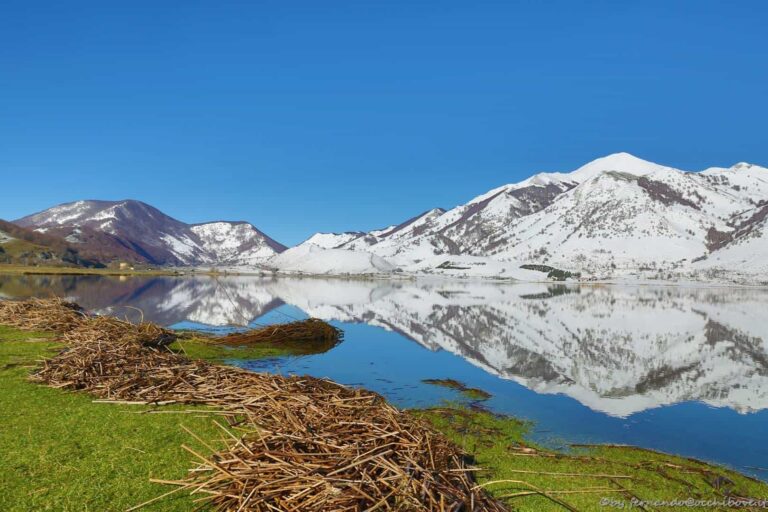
column 663, row 219
column 136, row 231
column 311, row 259
column 236, row 243
column 332, row 240
column 744, row 249
column 616, row 215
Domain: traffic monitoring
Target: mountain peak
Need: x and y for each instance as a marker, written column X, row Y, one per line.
column 623, row 162
column 739, row 168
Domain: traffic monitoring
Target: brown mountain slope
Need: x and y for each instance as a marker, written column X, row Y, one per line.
column 26, row 247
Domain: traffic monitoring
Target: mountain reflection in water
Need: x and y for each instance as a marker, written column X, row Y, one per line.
column 617, row 350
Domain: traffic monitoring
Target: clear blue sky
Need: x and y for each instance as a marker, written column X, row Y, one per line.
column 325, row 115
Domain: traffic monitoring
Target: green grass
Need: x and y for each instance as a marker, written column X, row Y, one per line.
column 199, row 349
column 198, row 346
column 6, row 268
column 498, row 445
column 16, row 269
column 475, row 394
column 60, row 451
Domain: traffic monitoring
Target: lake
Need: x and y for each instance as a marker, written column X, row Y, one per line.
column 678, row 369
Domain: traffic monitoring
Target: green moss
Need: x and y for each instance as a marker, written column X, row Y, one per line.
column 522, row 470
column 200, row 349
column 60, row 451
column 471, row 393
column 197, row 346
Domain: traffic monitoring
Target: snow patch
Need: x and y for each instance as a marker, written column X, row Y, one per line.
column 311, row 259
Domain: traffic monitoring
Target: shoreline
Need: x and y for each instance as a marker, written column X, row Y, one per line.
column 499, row 445
column 76, row 271
column 396, row 277
column 346, row 447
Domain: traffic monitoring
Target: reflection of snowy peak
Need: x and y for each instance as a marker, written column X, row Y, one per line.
column 616, row 350
column 135, row 231
column 217, row 302
column 613, row 215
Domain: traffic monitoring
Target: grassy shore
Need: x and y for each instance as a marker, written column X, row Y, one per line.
column 536, row 479
column 62, row 451
column 76, row 271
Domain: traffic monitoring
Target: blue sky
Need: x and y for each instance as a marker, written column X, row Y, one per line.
column 308, row 116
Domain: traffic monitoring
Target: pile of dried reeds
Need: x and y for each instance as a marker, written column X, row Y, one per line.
column 331, row 449
column 41, row 314
column 306, row 445
column 116, row 331
column 311, row 330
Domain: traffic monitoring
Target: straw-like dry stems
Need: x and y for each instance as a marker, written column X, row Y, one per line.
column 308, row 444
column 55, row 315
column 311, row 330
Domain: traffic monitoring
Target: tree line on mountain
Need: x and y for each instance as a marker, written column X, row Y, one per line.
column 553, row 273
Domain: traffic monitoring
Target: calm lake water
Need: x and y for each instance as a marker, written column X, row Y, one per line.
column 682, row 370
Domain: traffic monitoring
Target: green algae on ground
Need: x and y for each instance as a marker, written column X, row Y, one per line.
column 199, row 349
column 602, row 477
column 471, row 393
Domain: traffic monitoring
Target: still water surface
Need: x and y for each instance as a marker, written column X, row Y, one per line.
column 683, row 370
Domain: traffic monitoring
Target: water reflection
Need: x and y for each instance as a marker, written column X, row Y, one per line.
column 617, row 350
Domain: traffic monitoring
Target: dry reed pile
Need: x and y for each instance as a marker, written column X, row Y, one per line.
column 55, row 315
column 116, row 331
column 311, row 330
column 305, row 444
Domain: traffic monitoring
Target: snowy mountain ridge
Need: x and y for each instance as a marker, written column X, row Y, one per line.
column 614, row 216
column 618, row 216
column 136, row 231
